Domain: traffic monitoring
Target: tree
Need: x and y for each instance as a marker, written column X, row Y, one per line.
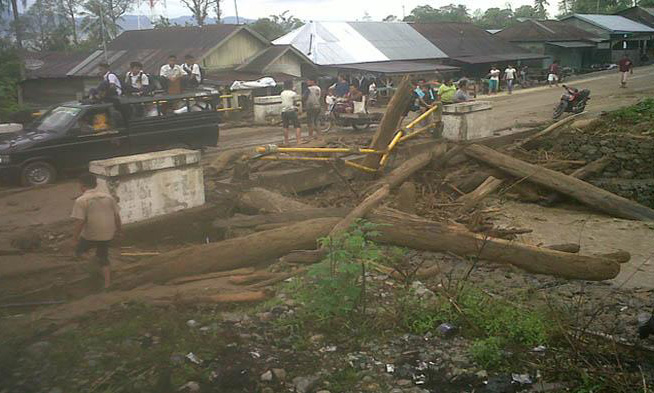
column 4, row 6
column 162, row 23
column 218, row 10
column 525, row 11
column 540, row 6
column 495, row 18
column 393, row 18
column 594, row 6
column 69, row 9
column 448, row 13
column 9, row 78
column 39, row 23
column 276, row 26
column 104, row 14
column 199, row 9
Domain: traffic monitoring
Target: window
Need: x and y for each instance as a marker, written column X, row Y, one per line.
column 57, row 119
column 98, row 122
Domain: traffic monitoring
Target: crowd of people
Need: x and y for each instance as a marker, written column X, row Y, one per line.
column 172, row 78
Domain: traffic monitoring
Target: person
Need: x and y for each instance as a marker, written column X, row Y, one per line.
column 446, row 92
column 136, row 81
column 353, row 95
column 625, row 67
column 312, row 104
column 289, row 113
column 110, row 85
column 192, row 73
column 509, row 77
column 171, row 73
column 553, row 74
column 330, row 99
column 524, row 72
column 97, row 222
column 461, row 94
column 493, row 80
column 372, row 93
column 342, row 87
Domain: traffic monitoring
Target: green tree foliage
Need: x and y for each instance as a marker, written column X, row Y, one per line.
column 540, row 6
column 496, row 18
column 276, row 26
column 43, row 28
column 567, row 7
column 162, row 23
column 69, row 9
column 9, row 78
column 107, row 13
column 199, row 9
column 526, row 11
column 448, row 13
column 390, row 18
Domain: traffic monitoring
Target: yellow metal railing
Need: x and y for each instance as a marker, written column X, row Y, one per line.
column 271, row 152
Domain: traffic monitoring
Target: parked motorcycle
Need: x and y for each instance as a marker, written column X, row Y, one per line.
column 338, row 115
column 573, row 101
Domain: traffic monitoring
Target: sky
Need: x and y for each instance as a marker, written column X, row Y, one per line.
column 339, row 10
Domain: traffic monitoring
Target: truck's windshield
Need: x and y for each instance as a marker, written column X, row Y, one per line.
column 57, row 119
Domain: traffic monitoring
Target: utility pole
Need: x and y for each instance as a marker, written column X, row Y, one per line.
column 102, row 28
column 236, row 11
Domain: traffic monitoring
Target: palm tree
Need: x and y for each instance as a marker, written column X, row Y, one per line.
column 14, row 11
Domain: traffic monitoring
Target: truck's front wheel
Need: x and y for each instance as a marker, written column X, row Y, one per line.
column 38, row 173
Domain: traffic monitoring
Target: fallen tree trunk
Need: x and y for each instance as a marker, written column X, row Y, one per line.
column 582, row 173
column 486, row 188
column 586, row 193
column 264, row 201
column 572, row 248
column 228, row 254
column 546, row 131
column 360, row 211
column 414, row 232
column 279, row 218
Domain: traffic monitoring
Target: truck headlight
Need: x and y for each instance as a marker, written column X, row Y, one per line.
column 4, row 160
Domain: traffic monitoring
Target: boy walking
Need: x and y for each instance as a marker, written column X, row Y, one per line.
column 97, row 221
column 509, row 76
column 289, row 112
column 312, row 102
column 626, row 67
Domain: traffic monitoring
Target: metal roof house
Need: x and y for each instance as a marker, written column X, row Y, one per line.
column 644, row 15
column 620, row 35
column 572, row 46
column 377, row 47
column 473, row 48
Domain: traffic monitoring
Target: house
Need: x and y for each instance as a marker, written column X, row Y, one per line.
column 46, row 78
column 620, row 35
column 644, row 15
column 381, row 48
column 474, row 49
column 570, row 45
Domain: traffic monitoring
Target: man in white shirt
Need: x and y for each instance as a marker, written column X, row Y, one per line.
column 171, row 72
column 313, row 107
column 110, row 85
column 494, row 80
column 136, row 81
column 509, row 76
column 192, row 73
column 289, row 112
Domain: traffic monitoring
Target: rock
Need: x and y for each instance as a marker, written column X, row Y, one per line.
column 266, row 316
column 446, row 330
column 368, row 379
column 39, row 349
column 190, row 386
column 403, row 382
column 267, row 376
column 191, row 323
column 280, row 374
column 305, row 384
column 396, row 390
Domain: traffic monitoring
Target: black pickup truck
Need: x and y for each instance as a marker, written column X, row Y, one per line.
column 70, row 135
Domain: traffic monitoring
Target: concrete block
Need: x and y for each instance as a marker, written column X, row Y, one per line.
column 467, row 121
column 268, row 106
column 152, row 184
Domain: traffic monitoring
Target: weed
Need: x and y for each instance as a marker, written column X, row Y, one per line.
column 488, row 352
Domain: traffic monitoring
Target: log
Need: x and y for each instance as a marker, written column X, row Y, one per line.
column 390, row 122
column 225, row 159
column 565, row 247
column 279, row 218
column 303, row 256
column 582, row 173
column 211, row 276
column 405, row 230
column 360, row 211
column 228, row 254
column 251, row 278
column 486, row 188
column 546, row 131
column 264, row 201
column 586, row 193
column 618, row 256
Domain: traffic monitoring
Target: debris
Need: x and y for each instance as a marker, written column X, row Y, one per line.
column 191, row 323
column 486, row 188
column 329, row 348
column 305, row 384
column 539, row 349
column 446, row 330
column 645, row 325
column 255, row 354
column 582, row 173
column 280, row 374
column 546, row 131
column 243, row 221
column 522, row 379
column 390, row 368
column 267, row 376
column 406, row 198
column 193, row 358
column 190, row 386
column 262, row 200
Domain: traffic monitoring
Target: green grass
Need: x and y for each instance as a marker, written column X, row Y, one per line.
column 641, row 112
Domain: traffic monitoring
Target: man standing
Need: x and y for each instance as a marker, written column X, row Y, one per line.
column 446, row 92
column 493, row 80
column 171, row 74
column 626, row 67
column 192, row 73
column 97, row 221
column 509, row 77
column 289, row 113
column 312, row 102
column 553, row 74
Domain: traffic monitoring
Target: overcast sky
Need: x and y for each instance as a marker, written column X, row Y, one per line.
column 338, row 10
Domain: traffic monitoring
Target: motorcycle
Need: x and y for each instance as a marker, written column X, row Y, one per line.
column 338, row 114
column 573, row 101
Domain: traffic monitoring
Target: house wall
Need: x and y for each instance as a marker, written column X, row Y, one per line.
column 233, row 52
column 287, row 64
column 51, row 91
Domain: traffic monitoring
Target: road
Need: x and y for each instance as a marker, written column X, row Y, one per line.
column 28, row 207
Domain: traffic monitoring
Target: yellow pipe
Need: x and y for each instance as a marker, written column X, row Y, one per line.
column 421, row 117
column 228, row 109
column 391, row 146
column 229, row 96
column 415, row 133
column 262, row 149
column 277, row 158
column 361, row 167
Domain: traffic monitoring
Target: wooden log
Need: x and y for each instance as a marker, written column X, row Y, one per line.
column 390, row 122
column 586, row 193
column 546, row 131
column 224, row 159
column 572, row 248
column 486, row 188
column 264, row 201
column 619, row 256
column 243, row 221
column 360, row 211
column 228, row 254
column 303, row 256
column 414, row 232
column 582, row 173
column 251, row 278
column 211, row 276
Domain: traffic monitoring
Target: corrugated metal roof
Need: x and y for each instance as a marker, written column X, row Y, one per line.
column 613, row 23
column 545, row 30
column 471, row 44
column 266, row 57
column 51, row 64
column 571, row 44
column 399, row 67
column 334, row 43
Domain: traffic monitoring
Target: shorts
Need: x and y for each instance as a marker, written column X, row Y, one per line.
column 624, row 75
column 552, row 78
column 101, row 249
column 313, row 114
column 492, row 84
column 290, row 118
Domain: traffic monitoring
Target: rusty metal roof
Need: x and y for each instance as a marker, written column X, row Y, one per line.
column 470, row 44
column 152, row 47
column 40, row 65
column 543, row 31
